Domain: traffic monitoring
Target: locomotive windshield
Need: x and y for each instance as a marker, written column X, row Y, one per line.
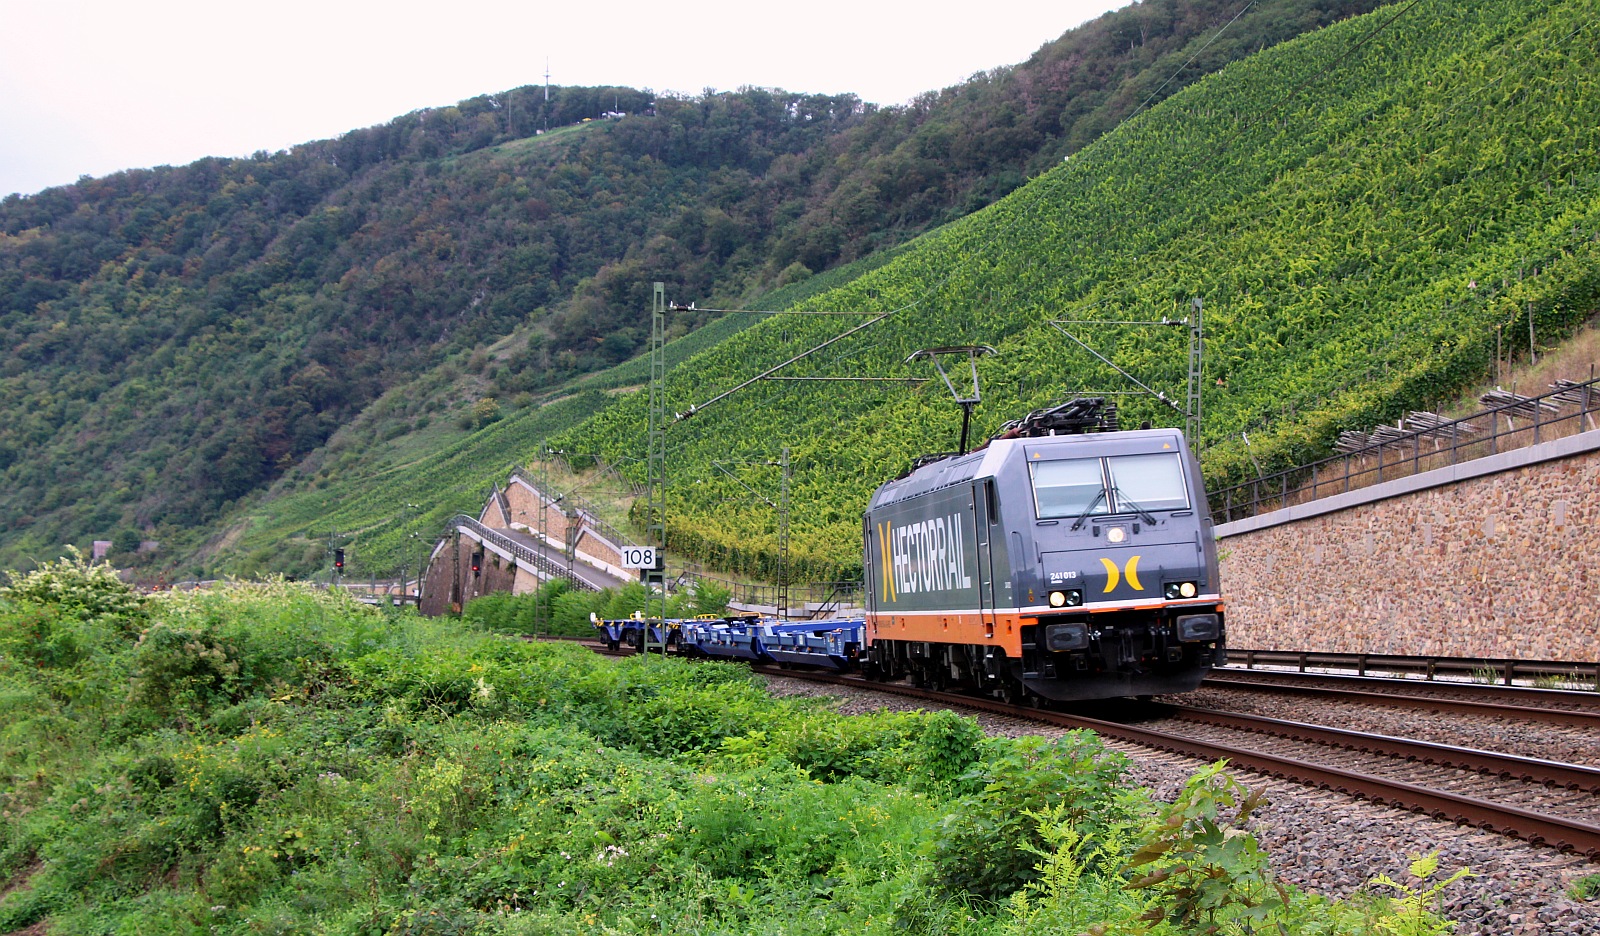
column 1069, row 488
column 1151, row 482
column 1077, row 487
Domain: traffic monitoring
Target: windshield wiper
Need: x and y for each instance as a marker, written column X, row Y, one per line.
column 1078, row 523
column 1144, row 515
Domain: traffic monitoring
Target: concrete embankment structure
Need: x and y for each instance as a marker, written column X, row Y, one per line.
column 522, row 537
column 1497, row 557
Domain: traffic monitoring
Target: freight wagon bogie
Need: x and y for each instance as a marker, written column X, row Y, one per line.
column 833, row 644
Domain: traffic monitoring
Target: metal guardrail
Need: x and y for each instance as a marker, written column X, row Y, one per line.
column 1437, row 444
column 1428, row 667
column 518, row 550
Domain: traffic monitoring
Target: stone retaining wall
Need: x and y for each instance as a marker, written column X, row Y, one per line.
column 591, row 545
column 1495, row 560
column 526, row 506
column 495, row 575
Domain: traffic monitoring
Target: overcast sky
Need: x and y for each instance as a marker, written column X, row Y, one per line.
column 88, row 87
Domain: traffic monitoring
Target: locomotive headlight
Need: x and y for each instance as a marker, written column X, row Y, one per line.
column 1070, row 598
column 1176, row 590
column 1061, row 638
column 1116, row 535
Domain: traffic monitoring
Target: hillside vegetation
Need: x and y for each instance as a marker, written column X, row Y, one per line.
column 362, row 483
column 180, row 339
column 1359, row 209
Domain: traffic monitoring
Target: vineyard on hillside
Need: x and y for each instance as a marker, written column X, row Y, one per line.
column 1360, row 209
column 367, row 486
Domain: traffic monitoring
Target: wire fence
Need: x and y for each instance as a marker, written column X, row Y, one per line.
column 1420, row 442
column 818, row 598
column 575, row 506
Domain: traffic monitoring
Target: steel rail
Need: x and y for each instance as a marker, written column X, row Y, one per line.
column 1535, row 828
column 1511, row 766
column 1423, row 700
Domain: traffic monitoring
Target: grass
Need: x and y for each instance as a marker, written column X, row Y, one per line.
column 1585, row 888
column 1568, row 682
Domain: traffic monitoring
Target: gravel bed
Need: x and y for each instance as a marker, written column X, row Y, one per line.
column 1332, row 844
column 1575, row 698
column 1572, row 744
column 1580, row 805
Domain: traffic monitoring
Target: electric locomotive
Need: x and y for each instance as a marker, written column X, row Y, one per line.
column 1064, row 560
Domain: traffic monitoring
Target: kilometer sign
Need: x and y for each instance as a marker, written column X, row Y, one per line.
column 639, row 557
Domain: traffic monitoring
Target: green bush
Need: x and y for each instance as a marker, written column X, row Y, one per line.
column 948, row 746
column 553, row 608
column 178, row 669
column 707, row 597
column 987, row 845
column 321, row 766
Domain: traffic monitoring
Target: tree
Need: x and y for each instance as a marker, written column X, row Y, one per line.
column 126, row 541
column 485, row 411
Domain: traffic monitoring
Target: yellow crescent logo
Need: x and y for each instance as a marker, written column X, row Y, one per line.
column 1113, row 576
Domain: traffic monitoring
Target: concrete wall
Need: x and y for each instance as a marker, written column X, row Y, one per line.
column 1498, row 557
column 525, row 503
column 599, row 552
column 525, row 582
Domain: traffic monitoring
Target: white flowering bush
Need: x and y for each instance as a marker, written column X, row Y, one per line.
column 75, row 585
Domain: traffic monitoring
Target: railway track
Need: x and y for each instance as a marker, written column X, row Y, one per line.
column 1542, row 802
column 1548, row 706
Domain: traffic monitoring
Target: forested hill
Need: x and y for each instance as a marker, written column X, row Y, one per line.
column 176, row 338
column 1363, row 210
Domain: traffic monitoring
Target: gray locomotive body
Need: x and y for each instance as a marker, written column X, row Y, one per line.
column 1072, row 566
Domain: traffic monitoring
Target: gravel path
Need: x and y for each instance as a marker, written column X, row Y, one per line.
column 1330, row 843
